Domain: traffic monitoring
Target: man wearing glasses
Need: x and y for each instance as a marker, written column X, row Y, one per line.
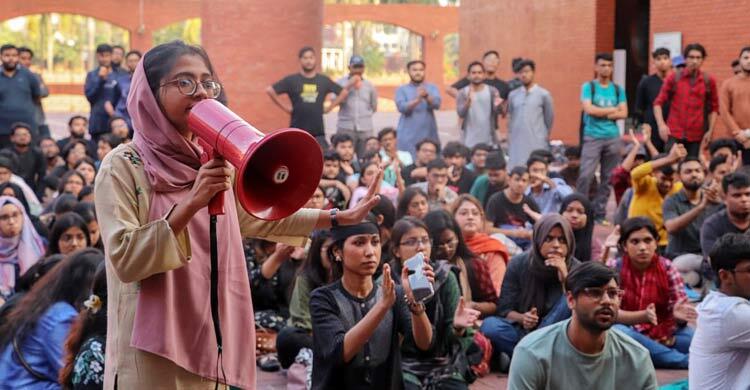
column 693, row 104
column 583, row 352
column 720, row 352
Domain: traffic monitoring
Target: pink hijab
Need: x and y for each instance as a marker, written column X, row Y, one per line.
column 24, row 250
column 173, row 314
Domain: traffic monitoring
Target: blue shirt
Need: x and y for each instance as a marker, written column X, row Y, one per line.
column 596, row 127
column 98, row 91
column 418, row 123
column 119, row 98
column 549, row 200
column 17, row 95
column 42, row 349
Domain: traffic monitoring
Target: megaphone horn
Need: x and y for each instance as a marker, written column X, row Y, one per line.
column 276, row 173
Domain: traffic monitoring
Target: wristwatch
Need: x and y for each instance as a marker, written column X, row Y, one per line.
column 334, row 221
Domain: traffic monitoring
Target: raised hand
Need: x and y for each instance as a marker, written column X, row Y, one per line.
column 388, row 297
column 359, row 212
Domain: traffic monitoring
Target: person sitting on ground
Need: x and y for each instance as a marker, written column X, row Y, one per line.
column 343, row 144
column 439, row 195
column 506, row 210
column 478, row 158
column 493, row 180
column 71, row 183
column 72, row 153
column 492, row 251
column 720, row 351
column 357, row 323
column 532, row 295
column 31, row 164
column 372, row 144
column 460, row 179
column 118, row 127
column 427, row 150
column 444, row 364
column 69, row 233
column 654, row 309
column 389, row 152
column 15, row 191
column 547, row 192
column 32, row 339
column 87, row 211
column 51, row 153
column 579, row 212
column 718, row 167
column 653, row 181
column 333, row 181
column 585, row 348
column 83, row 366
column 27, row 281
column 78, row 128
column 106, row 143
column 87, row 168
column 734, row 218
column 20, row 244
column 412, row 203
column 370, row 173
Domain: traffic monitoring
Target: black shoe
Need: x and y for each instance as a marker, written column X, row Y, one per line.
column 504, row 362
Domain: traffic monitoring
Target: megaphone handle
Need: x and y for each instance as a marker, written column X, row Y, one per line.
column 216, row 204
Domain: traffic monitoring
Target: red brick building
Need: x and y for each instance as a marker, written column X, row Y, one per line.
column 562, row 36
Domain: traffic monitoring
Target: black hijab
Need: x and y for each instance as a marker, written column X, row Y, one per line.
column 585, row 235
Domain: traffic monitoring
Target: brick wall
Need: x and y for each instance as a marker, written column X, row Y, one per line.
column 557, row 34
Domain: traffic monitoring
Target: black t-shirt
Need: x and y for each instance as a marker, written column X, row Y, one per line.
column 31, row 165
column 464, row 183
column 647, row 91
column 307, row 96
column 501, row 211
column 500, row 85
column 406, row 174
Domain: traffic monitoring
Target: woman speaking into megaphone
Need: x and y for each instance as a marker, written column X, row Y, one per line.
column 151, row 198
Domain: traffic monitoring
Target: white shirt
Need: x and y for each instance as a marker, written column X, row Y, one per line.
column 720, row 350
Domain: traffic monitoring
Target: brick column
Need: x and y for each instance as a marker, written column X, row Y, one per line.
column 254, row 43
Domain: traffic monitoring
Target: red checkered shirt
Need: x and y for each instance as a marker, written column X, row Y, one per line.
column 685, row 119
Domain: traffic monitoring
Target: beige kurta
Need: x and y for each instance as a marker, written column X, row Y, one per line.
column 136, row 249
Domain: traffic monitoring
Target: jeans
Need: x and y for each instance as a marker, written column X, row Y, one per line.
column 661, row 355
column 504, row 334
column 604, row 153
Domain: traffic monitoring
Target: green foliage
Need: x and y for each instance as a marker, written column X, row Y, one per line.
column 187, row 30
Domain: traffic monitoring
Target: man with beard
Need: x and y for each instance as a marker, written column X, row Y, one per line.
column 417, row 103
column 735, row 218
column 493, row 181
column 31, row 164
column 490, row 60
column 653, row 181
column 18, row 91
column 478, row 105
column 307, row 91
column 720, row 352
column 685, row 211
column 77, row 126
column 51, row 153
column 118, row 53
column 583, row 352
column 460, row 179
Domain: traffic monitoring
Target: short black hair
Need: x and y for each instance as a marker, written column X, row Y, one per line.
column 518, row 171
column 24, row 49
column 136, row 52
column 543, row 153
column 490, row 53
column 715, row 162
column 606, row 56
column 437, row 163
column 455, row 148
column 74, row 117
column 385, row 131
column 331, row 155
column 729, row 250
column 687, row 160
column 414, row 62
column 735, row 62
column 525, row 63
column 428, row 141
column 495, row 160
column 662, row 51
column 722, row 143
column 481, row 146
column 744, row 49
column 573, row 151
column 694, row 46
column 633, row 225
column 535, row 159
column 103, row 48
column 118, row 47
column 589, row 274
column 666, row 169
column 8, row 46
column 736, row 180
column 114, row 118
column 473, row 64
column 19, row 125
column 112, row 140
column 514, row 64
column 304, row 50
column 339, row 138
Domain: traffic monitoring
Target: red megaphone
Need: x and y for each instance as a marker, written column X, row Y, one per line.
column 276, row 173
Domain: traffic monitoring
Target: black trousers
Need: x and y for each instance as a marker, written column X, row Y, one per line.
column 693, row 148
column 288, row 343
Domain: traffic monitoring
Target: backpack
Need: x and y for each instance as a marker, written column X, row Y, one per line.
column 583, row 113
column 706, row 102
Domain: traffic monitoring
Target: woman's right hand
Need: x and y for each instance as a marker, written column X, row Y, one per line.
column 388, row 297
column 213, row 177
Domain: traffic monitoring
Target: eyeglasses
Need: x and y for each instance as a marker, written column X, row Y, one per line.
column 189, row 87
column 598, row 292
column 414, row 242
column 8, row 217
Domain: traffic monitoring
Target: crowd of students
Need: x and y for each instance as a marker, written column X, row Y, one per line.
column 521, row 281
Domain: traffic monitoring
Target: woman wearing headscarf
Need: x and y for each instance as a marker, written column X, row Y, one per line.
column 579, row 212
column 20, row 245
column 532, row 294
column 151, row 196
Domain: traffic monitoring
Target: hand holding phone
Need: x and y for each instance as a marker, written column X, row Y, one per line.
column 420, row 286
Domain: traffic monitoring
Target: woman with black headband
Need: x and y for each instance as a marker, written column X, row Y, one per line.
column 357, row 324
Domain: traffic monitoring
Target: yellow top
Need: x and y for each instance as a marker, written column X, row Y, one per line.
column 647, row 200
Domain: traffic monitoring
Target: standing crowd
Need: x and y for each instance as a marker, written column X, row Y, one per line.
column 521, row 281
